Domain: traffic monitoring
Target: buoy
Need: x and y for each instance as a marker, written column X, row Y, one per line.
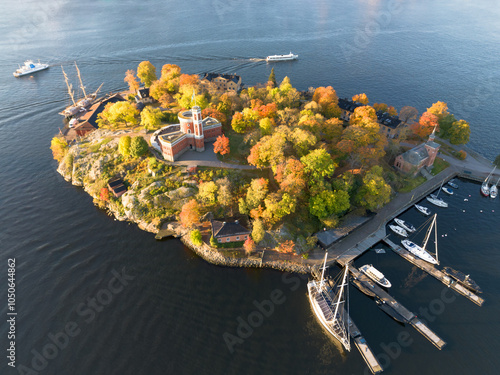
column 466, row 200
column 480, row 210
column 463, row 210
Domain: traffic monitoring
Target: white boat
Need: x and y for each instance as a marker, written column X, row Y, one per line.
column 375, row 275
column 421, row 252
column 398, row 230
column 30, row 67
column 423, row 209
column 405, row 225
column 447, row 190
column 435, row 200
column 330, row 306
column 485, row 189
column 288, row 57
column 494, row 190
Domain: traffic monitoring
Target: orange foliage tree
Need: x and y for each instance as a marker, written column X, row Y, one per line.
column 131, row 79
column 104, row 194
column 291, row 177
column 360, row 98
column 221, row 145
column 187, row 79
column 328, row 100
column 249, row 245
column 190, row 213
column 286, row 247
column 214, row 113
column 426, row 124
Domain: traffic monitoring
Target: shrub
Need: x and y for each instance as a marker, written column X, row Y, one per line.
column 195, row 236
column 461, row 155
column 213, row 242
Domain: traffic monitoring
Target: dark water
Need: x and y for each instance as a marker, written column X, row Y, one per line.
column 170, row 311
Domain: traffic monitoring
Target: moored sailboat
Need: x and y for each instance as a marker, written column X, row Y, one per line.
column 435, row 200
column 494, row 190
column 421, row 252
column 398, row 230
column 329, row 303
column 485, row 189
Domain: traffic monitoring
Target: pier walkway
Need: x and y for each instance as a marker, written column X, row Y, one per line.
column 409, row 317
column 433, row 271
column 363, row 348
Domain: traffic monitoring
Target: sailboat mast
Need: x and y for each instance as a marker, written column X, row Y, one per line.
column 69, row 86
column 436, row 237
column 427, row 235
column 81, row 83
column 323, row 272
column 341, row 291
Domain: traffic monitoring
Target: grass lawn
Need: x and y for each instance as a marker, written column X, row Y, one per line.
column 237, row 149
column 412, row 183
column 439, row 166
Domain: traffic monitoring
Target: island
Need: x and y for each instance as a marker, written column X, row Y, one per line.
column 261, row 176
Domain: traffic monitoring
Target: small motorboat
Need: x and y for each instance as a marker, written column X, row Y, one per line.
column 453, row 184
column 405, row 225
column 423, row 210
column 447, row 190
column 398, row 230
column 375, row 275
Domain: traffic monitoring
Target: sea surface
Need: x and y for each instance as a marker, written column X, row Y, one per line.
column 97, row 296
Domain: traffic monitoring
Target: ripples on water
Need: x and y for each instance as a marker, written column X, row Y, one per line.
column 171, row 317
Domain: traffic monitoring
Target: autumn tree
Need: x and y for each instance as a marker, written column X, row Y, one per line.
column 214, row 113
column 459, row 132
column 138, row 147
column 287, row 246
column 146, row 73
column 439, row 109
column 170, row 72
column 225, row 194
column 258, row 231
column 266, row 126
column 159, row 91
column 327, row 99
column 131, row 80
column 151, row 118
column 207, row 192
column 119, row 113
column 257, row 192
column 291, row 177
column 408, row 114
column 374, row 192
column 277, row 206
column 124, row 145
column 104, row 194
column 331, row 130
column 360, row 98
column 249, row 246
column 221, row 145
column 185, row 97
column 363, row 115
column 285, row 96
column 380, row 107
column 59, row 146
column 302, row 141
column 270, row 151
column 189, row 79
column 425, row 126
column 190, row 214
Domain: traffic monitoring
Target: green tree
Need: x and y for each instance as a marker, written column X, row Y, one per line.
column 266, row 126
column 445, row 124
column 138, row 147
column 318, row 164
column 59, row 146
column 459, row 132
column 119, row 113
column 277, row 207
column 124, row 145
column 146, row 73
column 302, row 140
column 195, row 236
column 151, row 118
column 258, row 231
column 256, row 192
column 213, row 242
column 327, row 203
column 375, row 192
column 272, row 78
column 225, row 194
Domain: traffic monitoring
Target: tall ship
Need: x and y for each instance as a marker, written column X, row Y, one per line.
column 329, row 304
column 420, row 251
column 30, row 67
column 288, row 57
column 80, row 106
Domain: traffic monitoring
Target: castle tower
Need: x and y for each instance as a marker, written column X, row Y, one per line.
column 199, row 137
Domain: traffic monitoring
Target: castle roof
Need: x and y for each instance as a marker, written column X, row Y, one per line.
column 416, row 155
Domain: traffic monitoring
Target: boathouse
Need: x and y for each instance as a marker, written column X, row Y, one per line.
column 229, row 231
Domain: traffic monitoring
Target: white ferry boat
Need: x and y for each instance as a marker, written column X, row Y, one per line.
column 375, row 275
column 288, row 57
column 30, row 67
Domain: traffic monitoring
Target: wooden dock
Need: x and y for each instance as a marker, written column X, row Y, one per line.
column 364, row 349
column 433, row 271
column 409, row 317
